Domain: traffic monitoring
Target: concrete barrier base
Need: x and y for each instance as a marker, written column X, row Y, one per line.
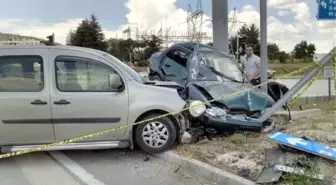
column 204, row 170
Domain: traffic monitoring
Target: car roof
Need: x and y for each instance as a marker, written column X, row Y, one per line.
column 60, row 47
column 191, row 45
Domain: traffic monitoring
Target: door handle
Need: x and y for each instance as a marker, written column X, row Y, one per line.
column 39, row 102
column 167, row 65
column 61, row 102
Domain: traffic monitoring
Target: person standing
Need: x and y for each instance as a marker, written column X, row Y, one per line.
column 252, row 66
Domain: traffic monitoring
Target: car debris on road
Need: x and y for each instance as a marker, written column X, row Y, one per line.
column 276, row 164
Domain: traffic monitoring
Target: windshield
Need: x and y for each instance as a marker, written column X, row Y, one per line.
column 201, row 63
column 136, row 76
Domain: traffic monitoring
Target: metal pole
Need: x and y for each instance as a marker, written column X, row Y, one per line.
column 329, row 87
column 263, row 43
column 298, row 86
column 220, row 25
column 237, row 48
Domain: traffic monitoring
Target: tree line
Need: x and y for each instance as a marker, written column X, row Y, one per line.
column 250, row 35
column 89, row 34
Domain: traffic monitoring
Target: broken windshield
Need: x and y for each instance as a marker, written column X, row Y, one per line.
column 200, row 64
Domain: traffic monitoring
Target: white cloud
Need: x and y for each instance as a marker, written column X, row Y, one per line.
column 281, row 4
column 283, row 13
column 39, row 29
column 150, row 15
column 146, row 16
column 301, row 10
column 286, row 35
column 302, row 13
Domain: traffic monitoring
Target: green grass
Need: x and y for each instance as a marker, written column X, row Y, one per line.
column 282, row 69
column 9, row 36
column 238, row 138
column 328, row 105
column 298, row 179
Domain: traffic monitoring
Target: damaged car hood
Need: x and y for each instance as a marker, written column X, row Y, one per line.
column 252, row 100
column 167, row 84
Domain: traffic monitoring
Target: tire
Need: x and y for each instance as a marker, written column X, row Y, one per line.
column 147, row 143
column 155, row 78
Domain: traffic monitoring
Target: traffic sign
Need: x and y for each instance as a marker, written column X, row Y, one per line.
column 304, row 145
column 326, row 9
column 328, row 72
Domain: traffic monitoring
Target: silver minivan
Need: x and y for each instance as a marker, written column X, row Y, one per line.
column 52, row 93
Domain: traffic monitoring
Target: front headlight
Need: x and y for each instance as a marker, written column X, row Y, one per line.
column 216, row 112
column 196, row 108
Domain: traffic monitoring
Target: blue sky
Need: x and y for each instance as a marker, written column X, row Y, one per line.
column 111, row 13
column 290, row 20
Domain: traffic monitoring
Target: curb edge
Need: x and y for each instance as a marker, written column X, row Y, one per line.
column 204, row 170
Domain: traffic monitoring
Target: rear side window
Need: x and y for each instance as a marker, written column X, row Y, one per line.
column 178, row 56
column 74, row 74
column 21, row 73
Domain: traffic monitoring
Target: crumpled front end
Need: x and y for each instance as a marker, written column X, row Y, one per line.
column 249, row 101
column 237, row 111
column 234, row 96
column 241, row 112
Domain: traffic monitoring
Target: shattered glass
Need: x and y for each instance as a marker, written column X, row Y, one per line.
column 200, row 61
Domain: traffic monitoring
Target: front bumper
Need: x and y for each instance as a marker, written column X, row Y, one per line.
column 231, row 122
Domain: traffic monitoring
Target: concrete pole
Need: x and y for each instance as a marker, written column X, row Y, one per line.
column 297, row 87
column 237, row 48
column 220, row 25
column 263, row 43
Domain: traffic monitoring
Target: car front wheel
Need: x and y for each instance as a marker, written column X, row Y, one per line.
column 155, row 136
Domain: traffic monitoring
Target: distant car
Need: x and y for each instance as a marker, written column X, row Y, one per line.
column 53, row 93
column 209, row 74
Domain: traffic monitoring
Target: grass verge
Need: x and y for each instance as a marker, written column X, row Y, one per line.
column 243, row 153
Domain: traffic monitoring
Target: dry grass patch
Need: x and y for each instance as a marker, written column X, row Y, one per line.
column 243, row 153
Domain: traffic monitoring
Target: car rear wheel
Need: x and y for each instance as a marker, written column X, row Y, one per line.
column 155, row 78
column 155, row 136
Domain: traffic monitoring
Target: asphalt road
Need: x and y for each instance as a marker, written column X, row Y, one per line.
column 100, row 167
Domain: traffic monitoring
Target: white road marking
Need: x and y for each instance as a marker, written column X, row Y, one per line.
column 275, row 135
column 294, row 141
column 41, row 169
column 75, row 168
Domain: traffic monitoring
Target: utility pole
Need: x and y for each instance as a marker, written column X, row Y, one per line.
column 263, row 43
column 220, row 25
column 237, row 47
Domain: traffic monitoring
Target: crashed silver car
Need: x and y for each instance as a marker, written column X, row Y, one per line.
column 210, row 75
column 55, row 93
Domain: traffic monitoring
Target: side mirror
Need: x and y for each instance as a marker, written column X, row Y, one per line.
column 114, row 81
